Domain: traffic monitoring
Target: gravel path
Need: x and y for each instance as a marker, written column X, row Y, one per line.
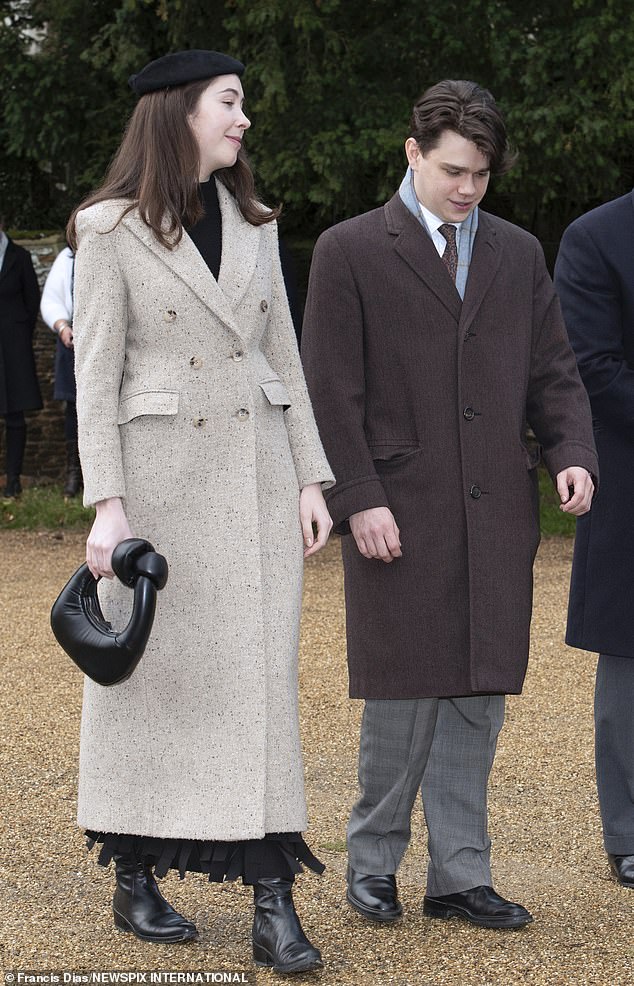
column 54, row 899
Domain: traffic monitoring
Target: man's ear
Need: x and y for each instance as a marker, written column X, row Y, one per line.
column 413, row 152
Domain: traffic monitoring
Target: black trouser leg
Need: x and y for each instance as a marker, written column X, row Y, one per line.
column 15, row 423
column 70, row 421
column 73, row 465
column 614, row 751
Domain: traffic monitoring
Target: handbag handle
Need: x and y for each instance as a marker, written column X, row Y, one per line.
column 105, row 655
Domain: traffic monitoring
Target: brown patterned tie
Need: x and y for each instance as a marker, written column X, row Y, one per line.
column 450, row 256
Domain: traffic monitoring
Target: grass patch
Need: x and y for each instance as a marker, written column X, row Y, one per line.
column 552, row 520
column 44, row 508
column 338, row 846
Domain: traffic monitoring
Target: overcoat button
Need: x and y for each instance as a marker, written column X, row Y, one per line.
column 196, row 362
column 238, row 355
column 264, row 305
column 200, row 422
column 169, row 315
column 469, row 413
column 475, row 492
column 243, row 414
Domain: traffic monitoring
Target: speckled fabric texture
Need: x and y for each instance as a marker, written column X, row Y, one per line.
column 182, row 388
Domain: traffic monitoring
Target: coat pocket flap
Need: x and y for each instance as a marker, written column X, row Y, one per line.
column 147, row 402
column 276, row 392
column 392, row 451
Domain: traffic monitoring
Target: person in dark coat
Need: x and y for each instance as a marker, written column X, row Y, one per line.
column 432, row 335
column 19, row 387
column 593, row 277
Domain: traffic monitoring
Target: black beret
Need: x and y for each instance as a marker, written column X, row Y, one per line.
column 183, row 66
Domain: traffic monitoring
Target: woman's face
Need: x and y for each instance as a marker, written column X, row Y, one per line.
column 218, row 124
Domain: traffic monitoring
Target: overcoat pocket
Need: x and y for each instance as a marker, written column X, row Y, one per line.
column 276, row 393
column 147, row 402
column 392, row 452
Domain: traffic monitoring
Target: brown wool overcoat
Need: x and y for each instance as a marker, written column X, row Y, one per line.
column 422, row 402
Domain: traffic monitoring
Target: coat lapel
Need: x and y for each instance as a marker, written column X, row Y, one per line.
column 240, row 248
column 485, row 261
column 10, row 257
column 416, row 248
column 186, row 262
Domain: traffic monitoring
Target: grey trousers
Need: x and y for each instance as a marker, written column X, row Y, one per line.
column 444, row 747
column 614, row 751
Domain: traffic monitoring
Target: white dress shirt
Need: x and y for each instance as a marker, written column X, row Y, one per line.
column 433, row 223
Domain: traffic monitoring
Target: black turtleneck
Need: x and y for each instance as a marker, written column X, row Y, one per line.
column 207, row 232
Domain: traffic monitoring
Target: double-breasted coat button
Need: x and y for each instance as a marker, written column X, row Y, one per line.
column 242, row 414
column 237, row 355
column 468, row 413
column 475, row 492
column 264, row 305
column 169, row 315
column 200, row 422
column 196, row 362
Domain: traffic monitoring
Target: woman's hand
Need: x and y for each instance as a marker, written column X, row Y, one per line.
column 313, row 510
column 66, row 335
column 65, row 332
column 109, row 529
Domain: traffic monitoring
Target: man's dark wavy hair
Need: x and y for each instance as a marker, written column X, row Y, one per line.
column 468, row 110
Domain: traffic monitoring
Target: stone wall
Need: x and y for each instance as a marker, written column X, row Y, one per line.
column 45, row 457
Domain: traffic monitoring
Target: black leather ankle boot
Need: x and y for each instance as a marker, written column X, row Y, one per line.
column 73, row 469
column 278, row 939
column 139, row 906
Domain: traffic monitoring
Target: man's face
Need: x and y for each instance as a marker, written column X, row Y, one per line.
column 451, row 179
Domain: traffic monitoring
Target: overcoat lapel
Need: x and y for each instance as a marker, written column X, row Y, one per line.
column 485, row 261
column 10, row 257
column 240, row 242
column 416, row 248
column 240, row 248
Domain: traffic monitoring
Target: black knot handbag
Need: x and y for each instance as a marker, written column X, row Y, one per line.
column 106, row 655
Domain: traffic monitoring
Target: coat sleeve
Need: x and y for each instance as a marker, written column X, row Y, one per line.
column 558, row 409
column 333, row 355
column 280, row 348
column 55, row 294
column 99, row 330
column 590, row 293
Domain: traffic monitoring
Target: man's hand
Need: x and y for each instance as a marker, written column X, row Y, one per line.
column 575, row 488
column 376, row 534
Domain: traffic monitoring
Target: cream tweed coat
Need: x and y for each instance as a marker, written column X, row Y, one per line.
column 193, row 408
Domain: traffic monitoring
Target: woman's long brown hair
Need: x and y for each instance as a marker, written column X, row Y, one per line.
column 157, row 169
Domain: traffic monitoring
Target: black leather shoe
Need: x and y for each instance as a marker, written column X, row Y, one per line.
column 374, row 896
column 481, row 906
column 140, row 907
column 622, row 869
column 279, row 941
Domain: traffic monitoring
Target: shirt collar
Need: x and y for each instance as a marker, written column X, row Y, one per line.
column 433, row 222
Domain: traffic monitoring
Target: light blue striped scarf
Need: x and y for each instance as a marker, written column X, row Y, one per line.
column 467, row 230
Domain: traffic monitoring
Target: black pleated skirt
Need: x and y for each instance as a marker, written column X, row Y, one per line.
column 278, row 854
